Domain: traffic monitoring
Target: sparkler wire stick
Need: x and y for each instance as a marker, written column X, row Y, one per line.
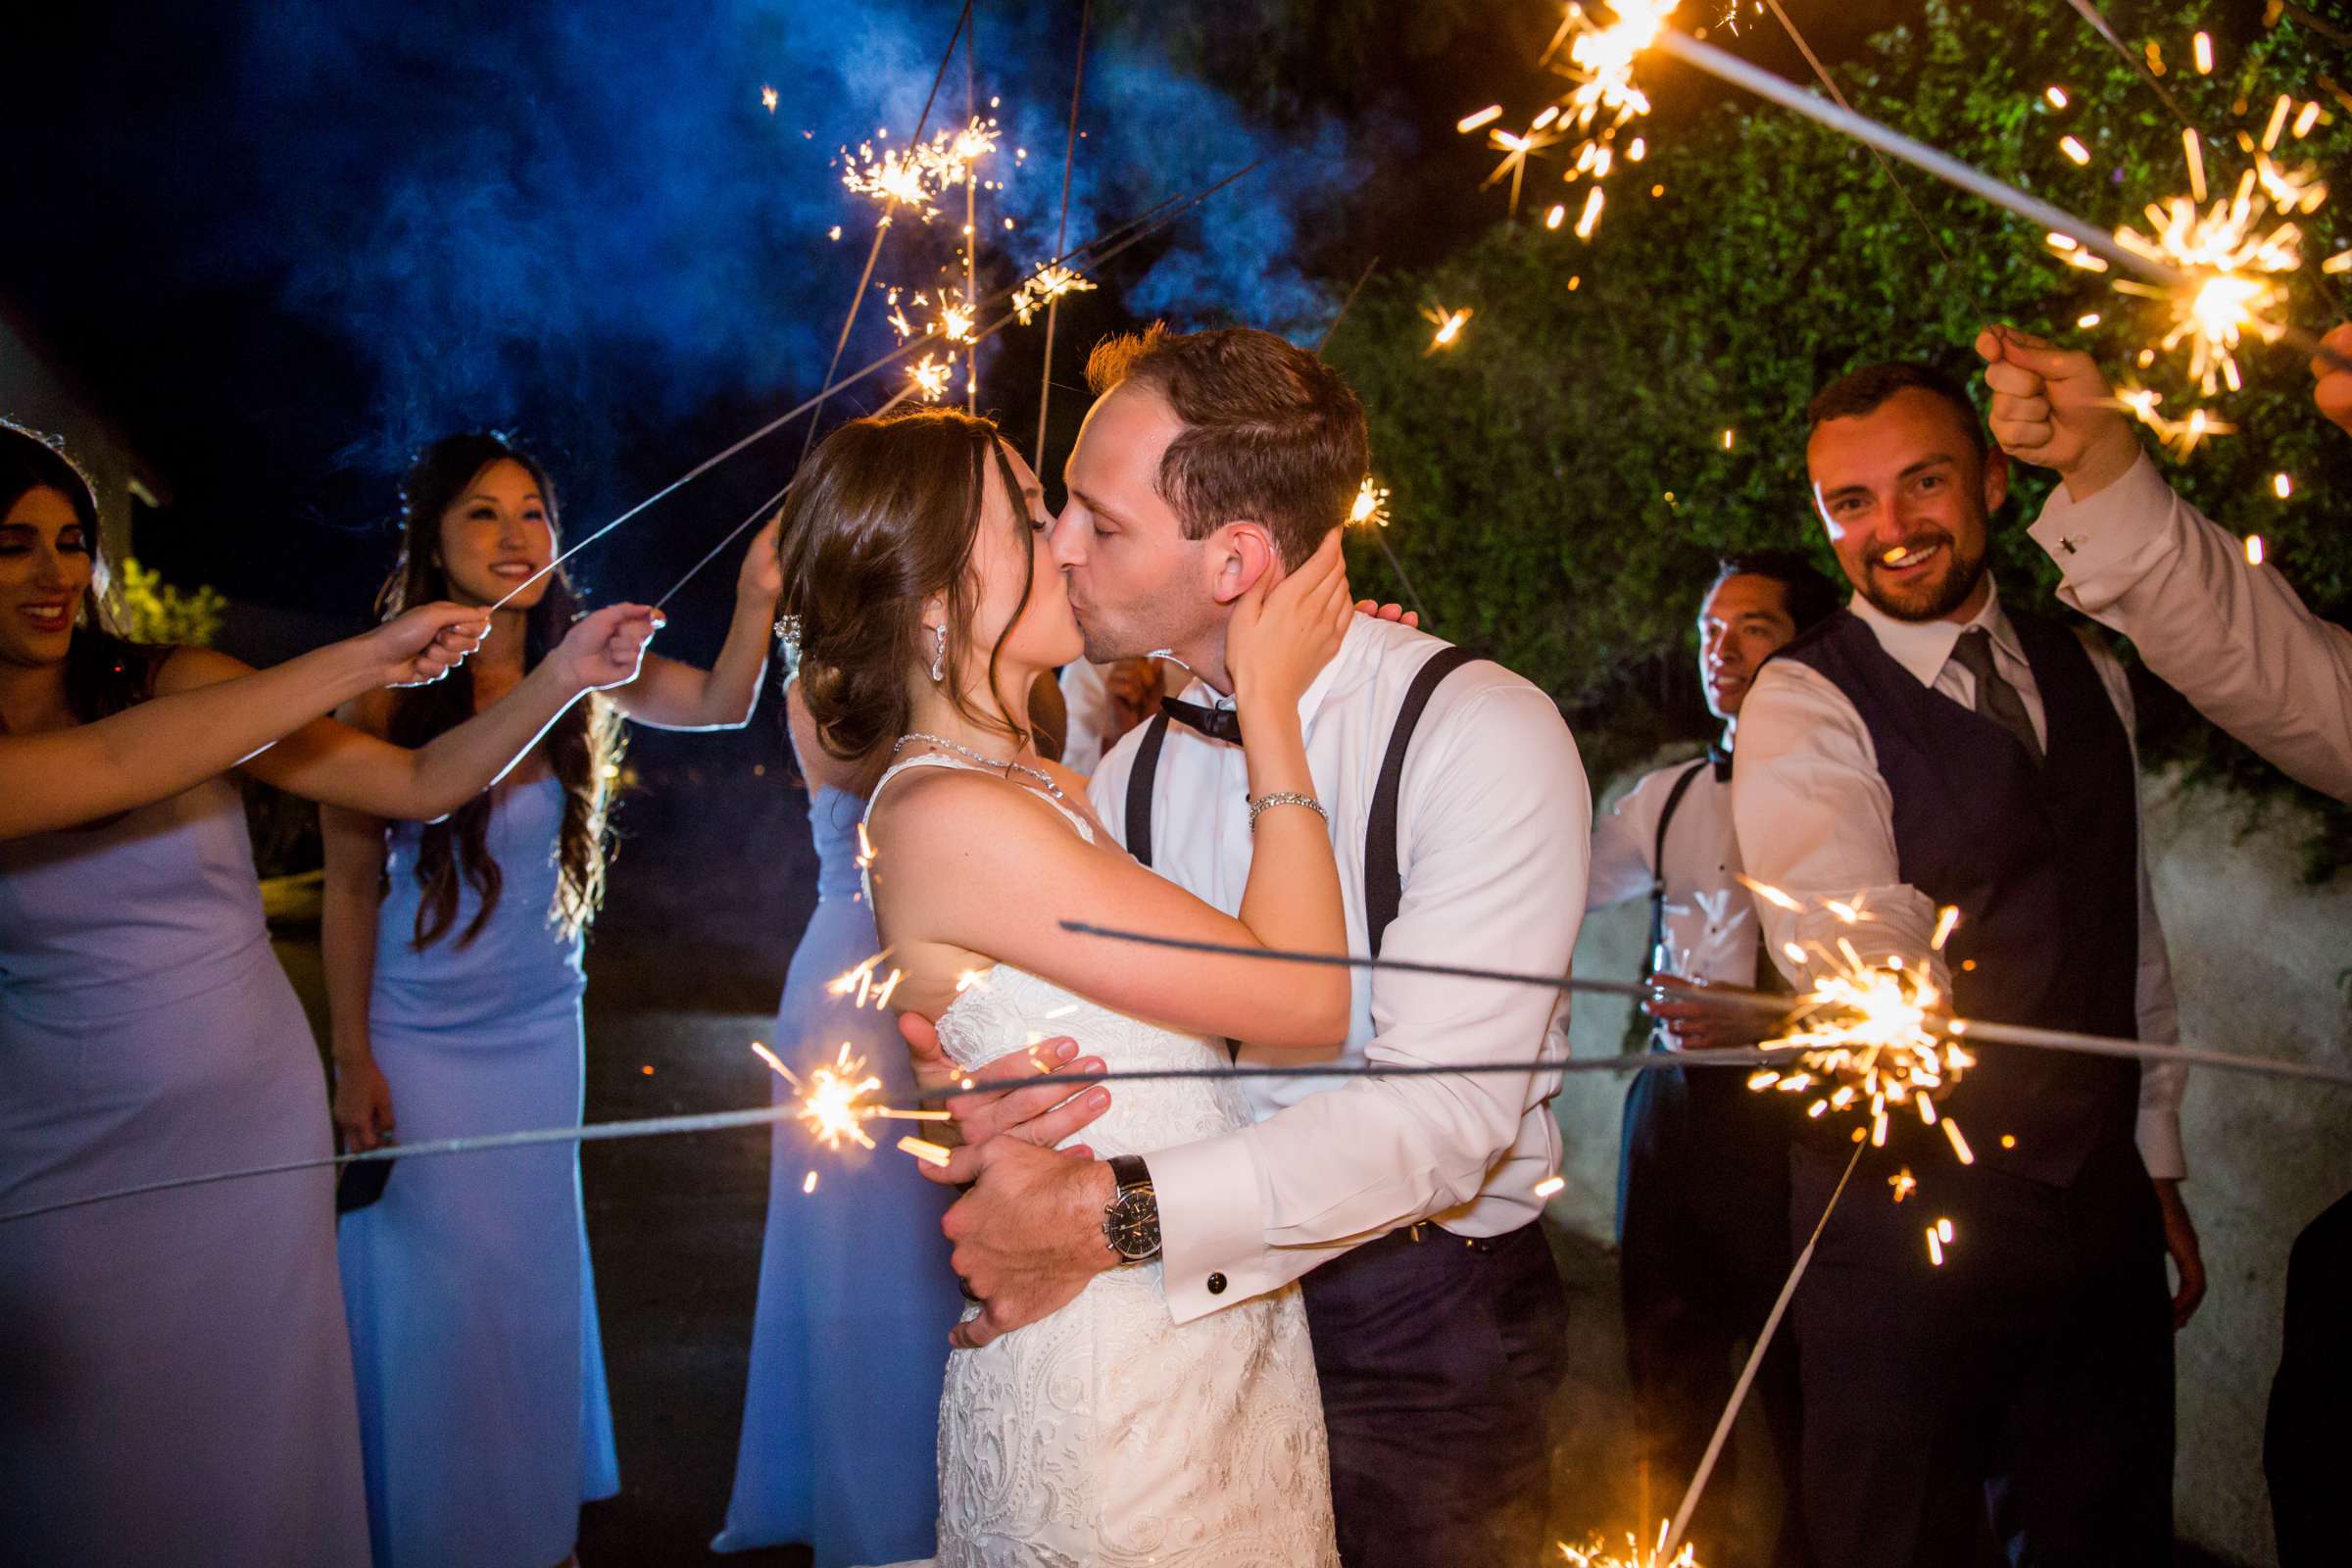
column 1974, row 1031
column 1131, row 233
column 1951, row 267
column 2090, row 13
column 1755, row 1359
column 1362, row 279
column 1944, row 166
column 758, row 512
column 922, row 120
column 1069, row 158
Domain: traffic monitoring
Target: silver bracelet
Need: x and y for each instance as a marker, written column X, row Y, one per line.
column 1284, row 798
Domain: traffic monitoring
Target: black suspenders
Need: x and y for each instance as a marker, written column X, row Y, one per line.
column 1657, row 867
column 1384, row 887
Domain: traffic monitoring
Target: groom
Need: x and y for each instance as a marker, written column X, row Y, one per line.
column 1462, row 817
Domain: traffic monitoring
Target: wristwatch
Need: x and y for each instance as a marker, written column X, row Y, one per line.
column 1131, row 1219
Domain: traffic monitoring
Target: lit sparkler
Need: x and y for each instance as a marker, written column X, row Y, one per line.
column 1595, row 1554
column 1044, row 286
column 1870, row 1038
column 1448, row 324
column 768, row 99
column 1371, row 505
column 929, row 376
column 835, row 1102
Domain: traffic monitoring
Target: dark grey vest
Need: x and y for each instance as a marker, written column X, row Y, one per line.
column 2042, row 862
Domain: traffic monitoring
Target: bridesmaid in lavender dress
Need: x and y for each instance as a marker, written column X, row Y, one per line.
column 174, row 1378
column 453, row 961
column 850, row 1341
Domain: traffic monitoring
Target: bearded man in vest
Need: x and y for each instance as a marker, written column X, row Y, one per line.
column 1931, row 747
column 1703, row 1175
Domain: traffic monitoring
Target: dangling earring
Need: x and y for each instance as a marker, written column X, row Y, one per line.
column 939, row 655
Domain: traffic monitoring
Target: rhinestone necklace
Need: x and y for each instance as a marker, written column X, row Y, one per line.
column 1009, row 765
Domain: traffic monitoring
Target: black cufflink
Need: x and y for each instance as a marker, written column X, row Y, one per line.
column 1216, row 1284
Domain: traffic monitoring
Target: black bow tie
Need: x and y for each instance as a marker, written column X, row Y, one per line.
column 1217, row 723
column 1721, row 756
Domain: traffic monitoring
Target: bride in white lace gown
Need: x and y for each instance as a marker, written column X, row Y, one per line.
column 1104, row 1434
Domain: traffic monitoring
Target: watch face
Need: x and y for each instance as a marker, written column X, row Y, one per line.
column 1132, row 1224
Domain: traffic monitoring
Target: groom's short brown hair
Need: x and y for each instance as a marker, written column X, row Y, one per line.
column 1272, row 433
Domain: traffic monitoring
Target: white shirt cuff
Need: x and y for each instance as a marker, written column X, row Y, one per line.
column 1213, row 1246
column 2090, row 539
column 2160, row 1144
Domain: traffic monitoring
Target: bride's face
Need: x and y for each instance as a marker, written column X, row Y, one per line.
column 1011, row 550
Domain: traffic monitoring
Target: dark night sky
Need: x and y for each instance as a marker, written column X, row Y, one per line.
column 278, row 243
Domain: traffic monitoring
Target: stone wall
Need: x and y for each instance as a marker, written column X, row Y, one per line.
column 2263, row 965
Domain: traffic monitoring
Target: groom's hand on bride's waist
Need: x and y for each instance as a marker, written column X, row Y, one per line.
column 1002, row 1101
column 1028, row 1234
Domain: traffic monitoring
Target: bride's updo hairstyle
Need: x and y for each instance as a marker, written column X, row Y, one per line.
column 884, row 514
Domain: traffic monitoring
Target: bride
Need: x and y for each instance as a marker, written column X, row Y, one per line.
column 915, row 565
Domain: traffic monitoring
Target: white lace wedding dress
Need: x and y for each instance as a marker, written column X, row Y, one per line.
column 1107, row 1435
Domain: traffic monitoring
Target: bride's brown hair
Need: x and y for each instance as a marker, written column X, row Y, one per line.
column 884, row 514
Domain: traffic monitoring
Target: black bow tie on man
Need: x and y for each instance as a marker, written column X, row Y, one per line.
column 1217, row 723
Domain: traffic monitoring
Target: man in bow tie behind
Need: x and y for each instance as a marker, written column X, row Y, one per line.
column 1703, row 1175
column 1406, row 1206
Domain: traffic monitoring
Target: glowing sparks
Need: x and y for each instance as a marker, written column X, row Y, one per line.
column 1370, row 508
column 1871, row 1032
column 1448, row 324
column 1960, row 1150
column 1598, row 1553
column 1935, row 1248
column 808, row 1184
column 2202, row 46
column 834, row 1101
column 930, row 374
column 1044, row 286
column 971, row 978
column 1945, row 919
column 2281, row 486
column 1591, row 217
column 1484, row 118
column 1550, row 1185
column 768, row 99
column 1903, row 1183
column 1553, row 219
column 2056, row 96
column 2182, row 436
column 915, row 177
column 2254, row 550
column 2074, row 150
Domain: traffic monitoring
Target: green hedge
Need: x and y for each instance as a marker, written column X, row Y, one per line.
column 1560, row 480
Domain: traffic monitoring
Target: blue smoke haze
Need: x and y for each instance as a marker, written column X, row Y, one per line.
column 549, row 215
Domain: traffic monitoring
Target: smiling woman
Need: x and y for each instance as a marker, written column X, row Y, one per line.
column 178, row 1371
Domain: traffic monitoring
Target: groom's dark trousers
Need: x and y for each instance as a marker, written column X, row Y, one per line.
column 1437, row 1356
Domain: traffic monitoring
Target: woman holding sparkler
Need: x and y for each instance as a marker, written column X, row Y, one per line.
column 918, row 574
column 453, row 982
column 841, row 1408
column 175, row 1373
column 63, row 778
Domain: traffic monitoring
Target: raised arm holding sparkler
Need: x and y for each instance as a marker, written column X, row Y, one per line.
column 1929, row 747
column 2230, row 635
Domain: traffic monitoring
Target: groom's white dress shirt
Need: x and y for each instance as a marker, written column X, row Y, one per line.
column 1495, row 821
column 2229, row 636
column 1816, row 820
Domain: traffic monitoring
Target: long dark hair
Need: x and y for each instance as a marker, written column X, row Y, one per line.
column 884, row 514
column 585, row 743
column 105, row 671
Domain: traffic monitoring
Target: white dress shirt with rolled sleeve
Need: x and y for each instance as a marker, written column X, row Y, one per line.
column 1816, row 820
column 2229, row 636
column 1709, row 919
column 1494, row 822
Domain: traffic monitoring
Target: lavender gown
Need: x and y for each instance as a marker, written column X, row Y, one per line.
column 175, row 1384
column 850, row 1343
column 473, row 1329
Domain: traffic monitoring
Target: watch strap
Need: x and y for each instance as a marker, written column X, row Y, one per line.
column 1129, row 1170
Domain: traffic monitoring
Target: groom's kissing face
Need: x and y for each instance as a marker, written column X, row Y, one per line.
column 1119, row 541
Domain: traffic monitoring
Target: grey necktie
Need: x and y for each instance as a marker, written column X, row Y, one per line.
column 1996, row 699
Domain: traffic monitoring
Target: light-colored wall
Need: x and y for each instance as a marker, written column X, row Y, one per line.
column 2263, row 965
